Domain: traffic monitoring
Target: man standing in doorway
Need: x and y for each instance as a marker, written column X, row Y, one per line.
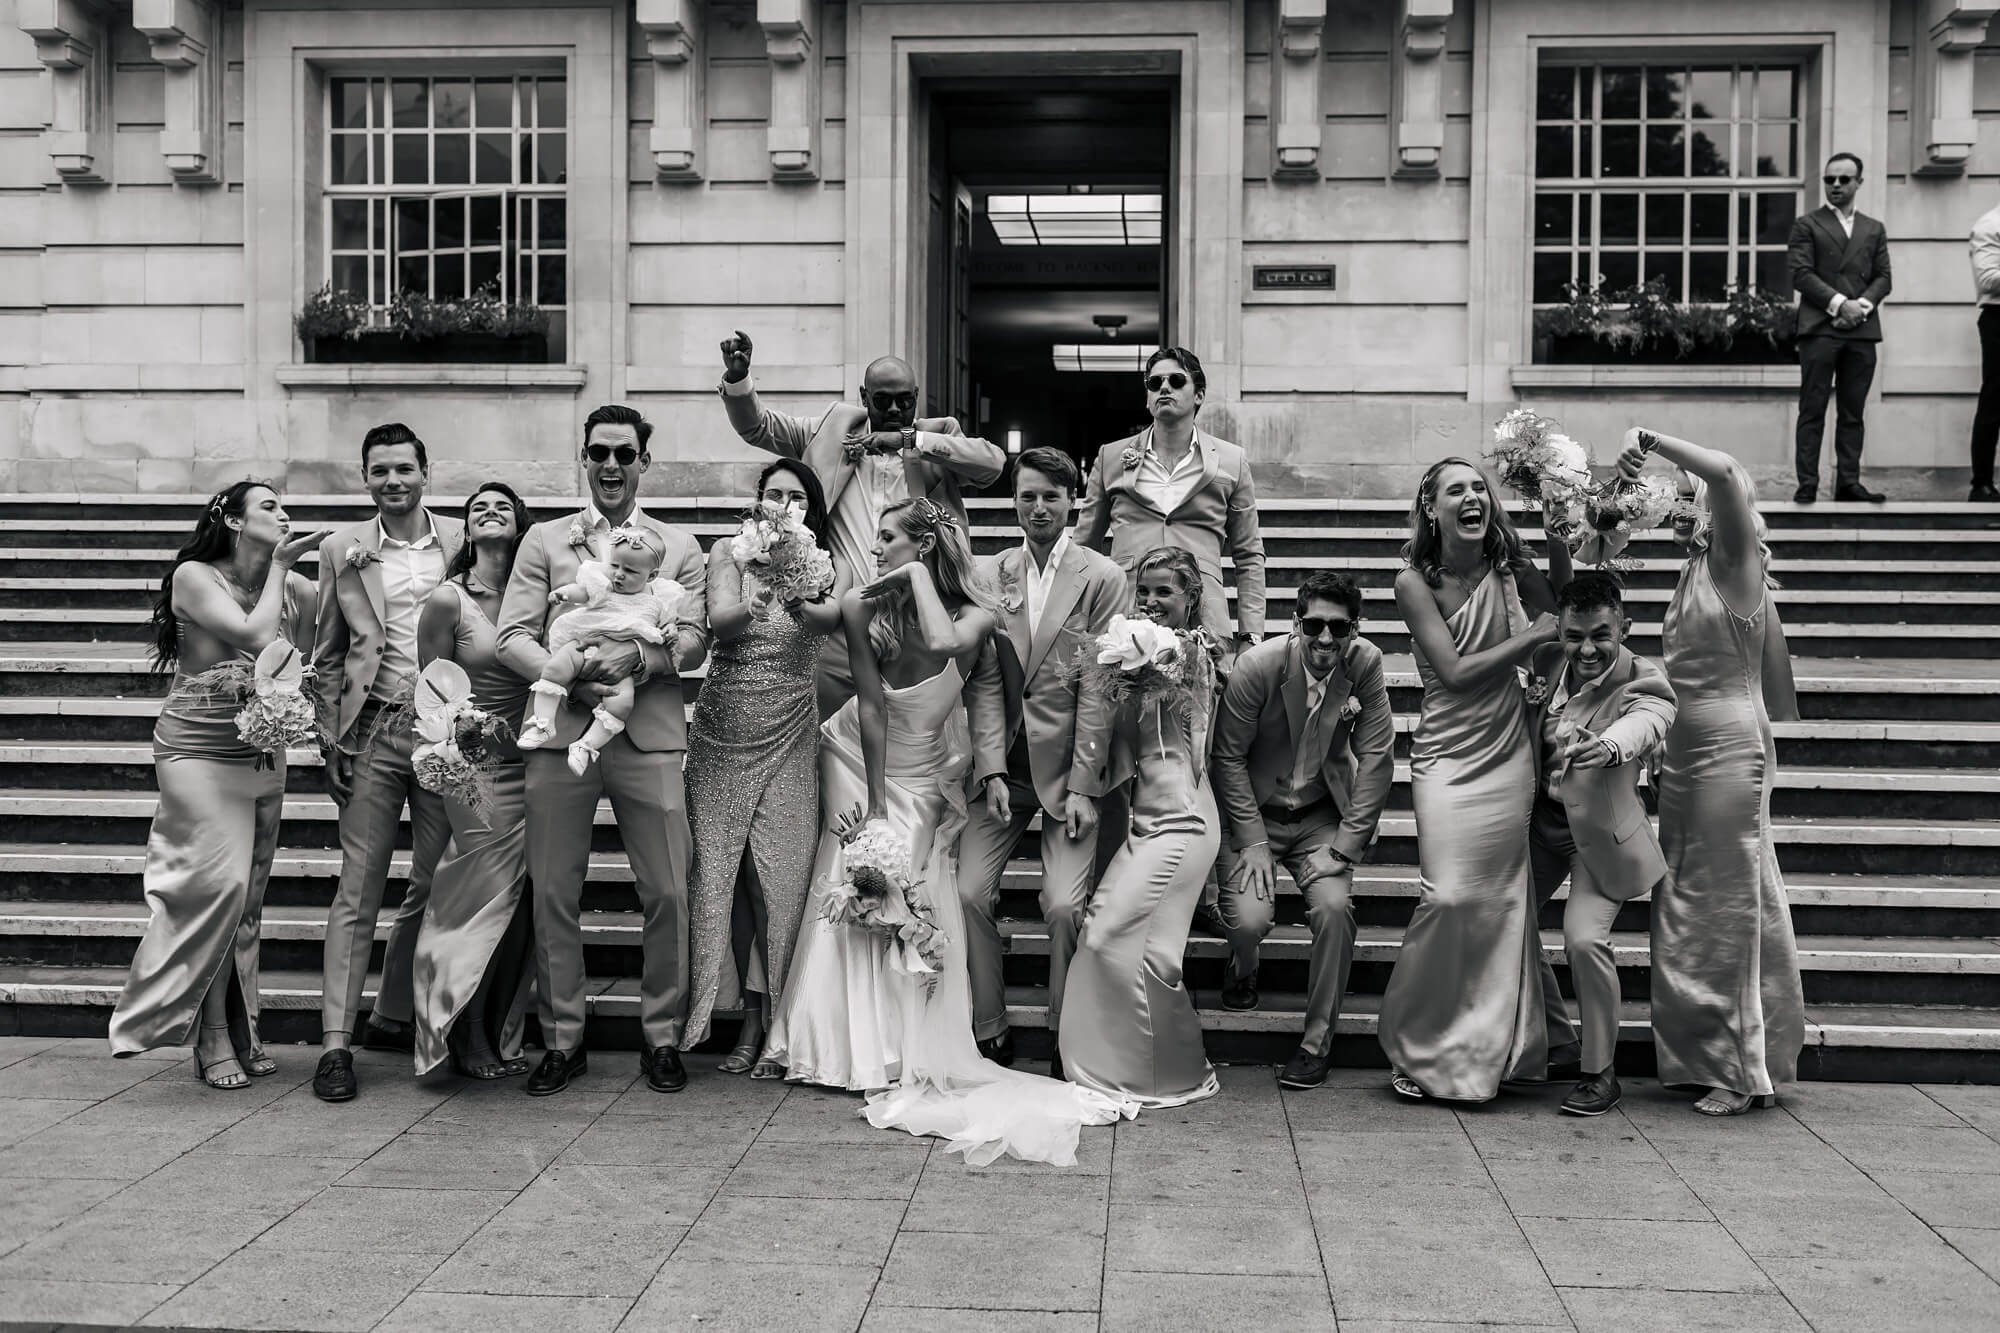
column 867, row 457
column 1840, row 266
column 1986, row 419
column 374, row 578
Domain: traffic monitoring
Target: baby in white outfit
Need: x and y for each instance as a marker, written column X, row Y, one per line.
column 617, row 598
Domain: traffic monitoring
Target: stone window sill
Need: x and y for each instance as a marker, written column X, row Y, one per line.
column 551, row 379
column 1772, row 378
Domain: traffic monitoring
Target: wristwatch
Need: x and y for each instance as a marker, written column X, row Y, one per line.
column 909, row 439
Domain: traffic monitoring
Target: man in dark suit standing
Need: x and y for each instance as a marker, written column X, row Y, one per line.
column 1840, row 266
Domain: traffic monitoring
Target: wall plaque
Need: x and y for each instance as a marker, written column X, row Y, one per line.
column 1292, row 277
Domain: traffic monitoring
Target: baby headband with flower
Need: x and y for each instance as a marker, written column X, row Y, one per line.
column 630, row 535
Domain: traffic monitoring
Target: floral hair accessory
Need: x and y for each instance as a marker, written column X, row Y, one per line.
column 631, row 534
column 933, row 514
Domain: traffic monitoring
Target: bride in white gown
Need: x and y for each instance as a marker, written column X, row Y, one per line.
column 898, row 751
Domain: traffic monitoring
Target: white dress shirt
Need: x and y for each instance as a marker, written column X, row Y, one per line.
column 1846, row 221
column 1986, row 257
column 1039, row 582
column 1303, row 785
column 1161, row 487
column 410, row 571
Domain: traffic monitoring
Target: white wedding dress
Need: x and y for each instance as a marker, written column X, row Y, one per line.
column 851, row 1019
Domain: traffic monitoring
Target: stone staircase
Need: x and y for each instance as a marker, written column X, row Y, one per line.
column 1886, row 809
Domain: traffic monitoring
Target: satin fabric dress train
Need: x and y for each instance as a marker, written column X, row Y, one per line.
column 1130, row 1030
column 477, row 928
column 1728, row 1007
column 208, row 861
column 752, row 783
column 850, row 1019
column 1463, row 1009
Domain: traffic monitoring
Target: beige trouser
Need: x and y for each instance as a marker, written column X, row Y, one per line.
column 1587, row 920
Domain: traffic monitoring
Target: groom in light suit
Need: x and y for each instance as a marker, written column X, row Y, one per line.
column 639, row 769
column 1042, row 743
column 1596, row 711
column 867, row 457
column 1303, row 759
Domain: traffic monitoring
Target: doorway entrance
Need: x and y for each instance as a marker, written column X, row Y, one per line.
column 1051, row 212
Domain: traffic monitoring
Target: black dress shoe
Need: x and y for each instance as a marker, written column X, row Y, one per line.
column 1805, row 495
column 387, row 1034
column 555, row 1071
column 1000, row 1049
column 1239, row 993
column 1857, row 493
column 1595, row 1095
column 333, row 1080
column 1985, row 495
column 663, row 1069
column 1304, row 1070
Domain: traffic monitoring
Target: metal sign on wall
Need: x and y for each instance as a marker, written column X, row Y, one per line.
column 1292, row 277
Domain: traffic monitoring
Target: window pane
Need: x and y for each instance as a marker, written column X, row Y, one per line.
column 527, row 151
column 550, row 165
column 1774, row 217
column 451, row 101
column 1552, row 217
column 1584, row 209
column 1584, row 161
column 413, row 165
column 1665, row 154
column 1667, row 268
column 1708, row 275
column 1552, row 152
column 350, row 103
column 1620, row 152
column 1555, row 92
column 1709, row 156
column 493, row 159
column 350, row 224
column 350, row 274
column 378, row 159
column 1551, row 272
column 348, row 160
column 448, row 223
column 413, row 274
column 1774, row 93
column 493, row 103
column 485, row 269
column 1618, row 219
column 551, row 112
column 1665, row 90
column 1619, row 267
column 1620, row 94
column 551, row 287
column 454, row 159
column 552, row 231
column 1774, row 272
column 486, row 221
column 1774, row 150
column 413, row 229
column 1663, row 218
column 407, row 104
column 1708, row 217
column 1708, row 94
column 378, row 268
column 448, row 282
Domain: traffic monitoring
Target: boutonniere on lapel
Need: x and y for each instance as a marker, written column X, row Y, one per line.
column 1010, row 591
column 1134, row 455
column 359, row 557
column 1538, row 691
column 578, row 534
column 1351, row 709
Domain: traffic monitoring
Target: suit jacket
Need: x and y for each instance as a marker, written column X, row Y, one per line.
column 545, row 562
column 1068, row 721
column 348, row 647
column 1220, row 511
column 1632, row 705
column 1827, row 262
column 1263, row 718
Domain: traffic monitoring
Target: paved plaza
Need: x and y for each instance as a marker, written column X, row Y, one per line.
column 131, row 1194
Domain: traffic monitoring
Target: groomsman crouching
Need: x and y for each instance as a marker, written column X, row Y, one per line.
column 1041, row 741
column 1597, row 710
column 1304, row 755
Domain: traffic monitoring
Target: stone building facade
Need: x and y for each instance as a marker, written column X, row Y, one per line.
column 1360, row 207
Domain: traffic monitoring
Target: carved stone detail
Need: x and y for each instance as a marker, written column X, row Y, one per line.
column 1420, row 87
column 1943, row 85
column 72, row 39
column 1295, row 93
column 791, row 31
column 186, row 38
column 674, row 39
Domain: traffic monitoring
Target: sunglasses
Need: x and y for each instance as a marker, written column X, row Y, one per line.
column 624, row 453
column 1313, row 627
column 1173, row 379
column 1838, row 180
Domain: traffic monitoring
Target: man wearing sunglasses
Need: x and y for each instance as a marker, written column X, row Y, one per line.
column 1304, row 755
column 1174, row 485
column 639, row 769
column 1840, row 265
column 867, row 457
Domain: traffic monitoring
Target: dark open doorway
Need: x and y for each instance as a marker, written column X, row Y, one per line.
column 1051, row 204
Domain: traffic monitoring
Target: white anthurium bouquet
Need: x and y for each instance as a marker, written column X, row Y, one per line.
column 276, row 714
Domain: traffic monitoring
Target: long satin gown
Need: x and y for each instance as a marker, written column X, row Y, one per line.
column 849, row 1019
column 478, row 926
column 1463, row 1009
column 752, row 783
column 1728, row 1007
column 1129, row 1028
column 208, row 862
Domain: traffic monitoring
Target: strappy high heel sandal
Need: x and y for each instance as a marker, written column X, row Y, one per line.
column 222, row 1080
column 767, row 1069
column 257, row 1064
column 1405, row 1086
column 1762, row 1101
column 744, row 1053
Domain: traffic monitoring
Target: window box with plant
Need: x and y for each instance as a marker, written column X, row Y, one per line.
column 1643, row 326
column 482, row 329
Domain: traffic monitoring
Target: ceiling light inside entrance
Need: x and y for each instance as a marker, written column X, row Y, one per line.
column 1075, row 219
column 1124, row 357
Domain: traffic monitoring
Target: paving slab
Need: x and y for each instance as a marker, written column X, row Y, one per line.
column 1976, row 1105
column 1774, row 1213
column 884, row 1169
column 903, row 1319
column 135, row 1244
column 632, row 1140
column 1946, row 1293
column 1669, row 1256
column 1599, row 1310
column 452, row 1162
column 34, row 1207
column 303, row 1291
column 15, row 1049
column 1979, row 1244
column 1633, row 1190
column 954, row 1197
column 22, row 1116
column 62, row 1072
column 392, row 1221
column 786, row 1231
column 463, row 1312
column 123, row 1154
column 719, row 1296
column 1836, row 1104
column 1944, row 1198
column 969, row 1271
column 1147, row 1302
column 1196, row 1238
column 1407, row 1270
column 30, row 1301
column 1916, row 1148
column 1214, row 1171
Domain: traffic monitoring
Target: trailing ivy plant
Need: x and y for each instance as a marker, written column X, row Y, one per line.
column 329, row 314
column 1626, row 319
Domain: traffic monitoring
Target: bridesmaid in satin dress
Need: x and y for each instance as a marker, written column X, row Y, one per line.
column 230, row 593
column 1129, row 1028
column 474, row 961
column 753, row 778
column 1464, row 1007
column 1728, row 1007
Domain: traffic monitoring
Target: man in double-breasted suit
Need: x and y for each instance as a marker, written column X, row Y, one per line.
column 1042, row 741
column 1596, row 711
column 1173, row 485
column 1840, row 266
column 639, row 769
column 1303, row 759
column 867, row 456
column 374, row 578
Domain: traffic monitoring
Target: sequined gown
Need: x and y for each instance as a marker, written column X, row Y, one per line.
column 1129, row 1027
column 1463, row 1009
column 752, row 782
column 477, row 927
column 850, row 1019
column 1728, row 1008
column 208, row 861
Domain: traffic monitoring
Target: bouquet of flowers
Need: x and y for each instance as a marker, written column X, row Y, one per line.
column 791, row 564
column 876, row 896
column 1617, row 510
column 1535, row 459
column 1143, row 661
column 275, row 714
column 459, row 745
